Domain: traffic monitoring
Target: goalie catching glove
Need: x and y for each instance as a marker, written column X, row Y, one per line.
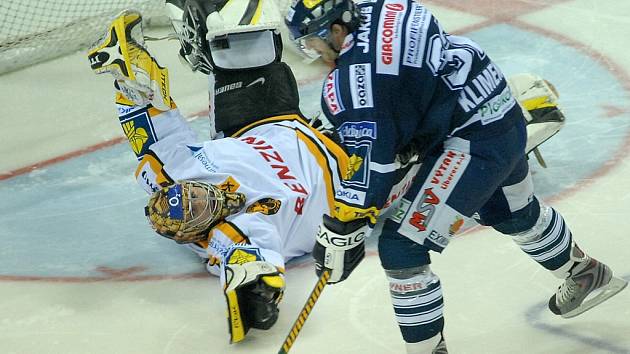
column 122, row 53
column 253, row 289
column 340, row 247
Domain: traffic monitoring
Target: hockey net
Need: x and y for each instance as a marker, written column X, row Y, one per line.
column 33, row 31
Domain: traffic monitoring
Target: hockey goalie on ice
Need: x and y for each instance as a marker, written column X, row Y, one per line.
column 252, row 198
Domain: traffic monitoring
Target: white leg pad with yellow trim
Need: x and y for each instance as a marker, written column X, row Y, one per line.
column 538, row 99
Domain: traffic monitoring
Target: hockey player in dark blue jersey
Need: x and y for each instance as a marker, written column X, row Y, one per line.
column 400, row 84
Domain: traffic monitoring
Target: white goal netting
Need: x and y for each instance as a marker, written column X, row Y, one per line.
column 32, row 31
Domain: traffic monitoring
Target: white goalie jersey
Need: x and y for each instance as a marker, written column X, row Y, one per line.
column 287, row 171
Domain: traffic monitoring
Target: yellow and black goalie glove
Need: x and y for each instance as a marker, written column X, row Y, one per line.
column 253, row 289
column 122, row 53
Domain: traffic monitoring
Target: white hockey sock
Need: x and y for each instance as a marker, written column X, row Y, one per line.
column 549, row 241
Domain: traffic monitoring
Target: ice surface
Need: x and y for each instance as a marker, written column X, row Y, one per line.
column 81, row 272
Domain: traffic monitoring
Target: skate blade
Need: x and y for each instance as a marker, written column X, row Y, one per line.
column 606, row 292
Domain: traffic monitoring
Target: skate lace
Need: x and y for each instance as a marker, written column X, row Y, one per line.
column 566, row 291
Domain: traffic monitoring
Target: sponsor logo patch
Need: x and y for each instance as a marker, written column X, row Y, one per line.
column 496, row 107
column 267, row 206
column 331, row 93
column 401, row 211
column 389, row 37
column 357, row 130
column 200, row 155
column 229, row 185
column 456, row 225
column 417, row 27
column 232, row 86
column 361, row 85
column 350, row 196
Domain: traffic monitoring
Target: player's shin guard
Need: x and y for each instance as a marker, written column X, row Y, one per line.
column 418, row 304
column 548, row 242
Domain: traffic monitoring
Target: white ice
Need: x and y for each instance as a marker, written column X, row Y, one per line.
column 81, row 272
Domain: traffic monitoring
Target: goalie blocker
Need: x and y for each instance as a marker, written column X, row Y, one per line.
column 253, row 289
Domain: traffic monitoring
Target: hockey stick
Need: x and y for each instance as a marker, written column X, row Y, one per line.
column 306, row 311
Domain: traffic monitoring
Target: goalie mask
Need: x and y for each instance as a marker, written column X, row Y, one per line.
column 186, row 210
column 223, row 34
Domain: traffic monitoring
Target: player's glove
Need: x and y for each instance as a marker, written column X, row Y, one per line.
column 322, row 124
column 340, row 247
column 253, row 289
column 122, row 53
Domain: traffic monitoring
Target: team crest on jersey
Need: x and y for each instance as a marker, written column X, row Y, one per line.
column 139, row 131
column 357, row 174
column 243, row 255
column 137, row 136
column 229, row 185
column 354, row 165
column 361, row 85
column 331, row 93
column 389, row 37
column 267, row 206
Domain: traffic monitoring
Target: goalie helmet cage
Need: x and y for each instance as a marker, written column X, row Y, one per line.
column 34, row 31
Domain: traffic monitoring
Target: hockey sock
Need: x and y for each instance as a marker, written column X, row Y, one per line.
column 549, row 241
column 418, row 304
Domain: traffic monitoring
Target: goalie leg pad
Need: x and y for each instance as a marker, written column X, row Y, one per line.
column 538, row 99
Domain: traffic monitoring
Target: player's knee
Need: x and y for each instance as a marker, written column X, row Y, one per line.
column 397, row 251
column 408, row 280
column 521, row 220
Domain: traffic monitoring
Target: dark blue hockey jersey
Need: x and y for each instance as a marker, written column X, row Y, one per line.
column 400, row 80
